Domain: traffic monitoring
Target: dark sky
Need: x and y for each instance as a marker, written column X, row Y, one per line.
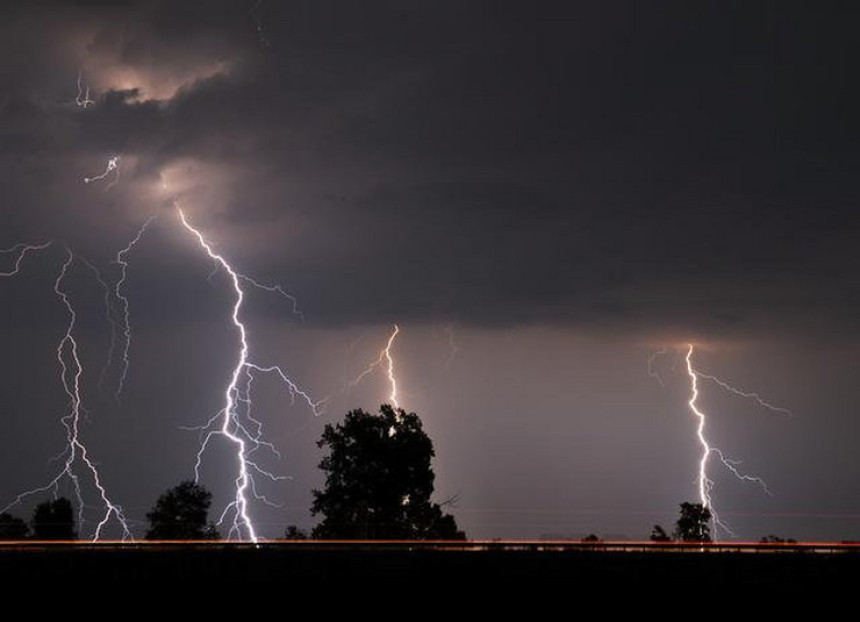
column 557, row 191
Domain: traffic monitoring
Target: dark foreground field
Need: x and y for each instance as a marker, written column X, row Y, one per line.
column 455, row 567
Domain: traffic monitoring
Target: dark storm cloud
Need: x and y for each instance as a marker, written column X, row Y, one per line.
column 677, row 170
column 566, row 171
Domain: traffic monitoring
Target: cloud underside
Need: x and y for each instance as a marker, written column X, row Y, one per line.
column 681, row 172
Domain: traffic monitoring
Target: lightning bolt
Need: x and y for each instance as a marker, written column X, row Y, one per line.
column 452, row 346
column 705, row 483
column 260, row 32
column 126, row 314
column 246, row 437
column 751, row 395
column 83, row 99
column 385, row 358
column 112, row 167
column 71, row 371
column 652, row 373
column 109, row 314
column 21, row 250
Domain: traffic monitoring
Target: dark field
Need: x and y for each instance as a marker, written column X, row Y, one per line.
column 308, row 564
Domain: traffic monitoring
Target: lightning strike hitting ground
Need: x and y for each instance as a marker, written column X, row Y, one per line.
column 705, row 483
column 71, row 371
column 126, row 315
column 21, row 250
column 112, row 167
column 241, row 428
column 384, row 357
column 83, row 99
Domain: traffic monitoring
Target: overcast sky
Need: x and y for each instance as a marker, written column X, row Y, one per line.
column 541, row 196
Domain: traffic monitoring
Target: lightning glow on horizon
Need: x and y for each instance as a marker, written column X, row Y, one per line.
column 385, row 357
column 238, row 392
column 704, row 482
column 71, row 371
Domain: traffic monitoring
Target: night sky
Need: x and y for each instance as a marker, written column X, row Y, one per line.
column 541, row 195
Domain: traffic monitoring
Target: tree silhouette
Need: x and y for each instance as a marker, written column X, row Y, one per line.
column 54, row 520
column 12, row 527
column 379, row 480
column 694, row 523
column 295, row 533
column 772, row 539
column 658, row 534
column 181, row 513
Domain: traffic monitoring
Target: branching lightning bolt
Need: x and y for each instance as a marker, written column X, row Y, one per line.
column 109, row 314
column 387, row 359
column 83, row 99
column 246, row 439
column 126, row 325
column 652, row 373
column 705, row 483
column 112, row 167
column 747, row 394
column 260, row 32
column 71, row 371
column 452, row 346
column 21, row 250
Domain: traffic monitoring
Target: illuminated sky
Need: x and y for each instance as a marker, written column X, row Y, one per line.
column 557, row 191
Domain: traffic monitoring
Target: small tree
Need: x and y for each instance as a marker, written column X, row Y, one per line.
column 295, row 533
column 379, row 480
column 658, row 534
column 54, row 520
column 694, row 523
column 12, row 527
column 181, row 513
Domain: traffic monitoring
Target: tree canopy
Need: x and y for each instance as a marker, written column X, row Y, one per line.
column 12, row 527
column 694, row 523
column 658, row 534
column 379, row 480
column 181, row 513
column 54, row 520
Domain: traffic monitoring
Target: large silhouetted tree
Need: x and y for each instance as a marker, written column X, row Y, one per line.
column 379, row 480
column 694, row 523
column 54, row 520
column 12, row 527
column 181, row 513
